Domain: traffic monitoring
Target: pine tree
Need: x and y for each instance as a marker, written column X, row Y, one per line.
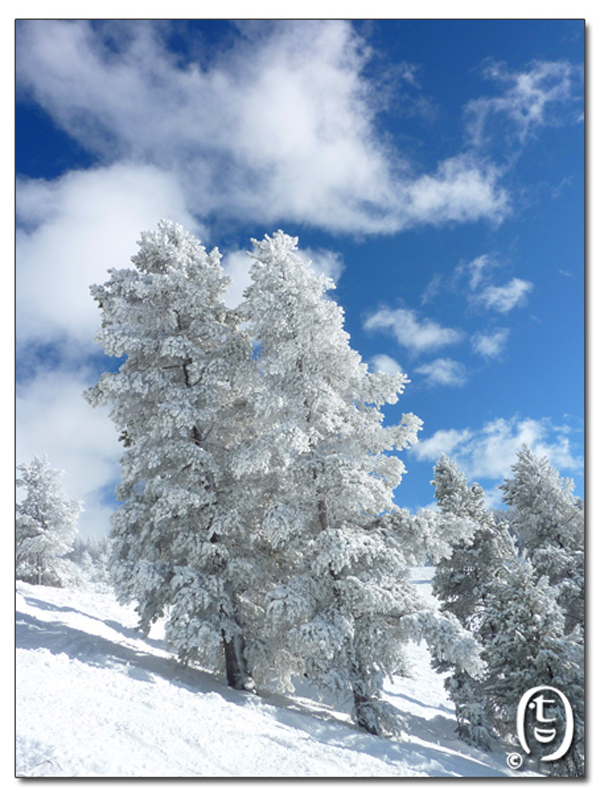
column 515, row 609
column 462, row 583
column 550, row 523
column 480, row 544
column 530, row 647
column 46, row 525
column 343, row 606
column 179, row 541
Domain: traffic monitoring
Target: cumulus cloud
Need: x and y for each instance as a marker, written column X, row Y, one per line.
column 444, row 371
column 489, row 452
column 416, row 334
column 463, row 189
column 543, row 93
column 490, row 345
column 54, row 419
column 444, row 441
column 236, row 265
column 71, row 231
column 281, row 125
column 386, row 364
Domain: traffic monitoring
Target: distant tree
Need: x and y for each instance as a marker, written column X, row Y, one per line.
column 343, row 607
column 179, row 541
column 92, row 556
column 549, row 520
column 46, row 525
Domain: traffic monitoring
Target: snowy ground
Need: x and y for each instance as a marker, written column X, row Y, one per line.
column 95, row 699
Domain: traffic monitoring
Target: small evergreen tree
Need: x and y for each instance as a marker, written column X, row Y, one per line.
column 46, row 525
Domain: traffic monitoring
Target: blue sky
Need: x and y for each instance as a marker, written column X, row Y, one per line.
column 434, row 168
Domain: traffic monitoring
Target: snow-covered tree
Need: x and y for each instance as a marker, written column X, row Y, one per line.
column 343, row 607
column 92, row 556
column 502, row 592
column 529, row 646
column 480, row 544
column 46, row 525
column 550, row 523
column 462, row 582
column 180, row 543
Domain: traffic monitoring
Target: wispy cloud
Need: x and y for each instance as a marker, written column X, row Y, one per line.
column 490, row 345
column 282, row 125
column 477, row 270
column 543, row 93
column 434, row 287
column 503, row 298
column 416, row 334
column 489, row 452
column 444, row 371
column 480, row 290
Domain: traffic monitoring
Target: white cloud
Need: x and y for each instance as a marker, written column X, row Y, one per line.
column 503, row 298
column 236, row 265
column 280, row 126
column 71, row 231
column 53, row 418
column 544, row 93
column 444, row 371
column 463, row 189
column 489, row 453
column 386, row 364
column 490, row 345
column 443, row 441
column 415, row 334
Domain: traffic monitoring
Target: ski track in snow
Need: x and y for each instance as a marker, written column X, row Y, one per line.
column 93, row 698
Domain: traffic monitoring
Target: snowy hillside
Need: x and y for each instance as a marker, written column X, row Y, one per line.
column 95, row 699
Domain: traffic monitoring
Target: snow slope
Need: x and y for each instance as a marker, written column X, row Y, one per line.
column 95, row 699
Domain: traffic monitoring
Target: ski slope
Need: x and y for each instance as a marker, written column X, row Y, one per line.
column 94, row 699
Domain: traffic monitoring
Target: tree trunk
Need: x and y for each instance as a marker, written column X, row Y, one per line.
column 364, row 714
column 236, row 667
